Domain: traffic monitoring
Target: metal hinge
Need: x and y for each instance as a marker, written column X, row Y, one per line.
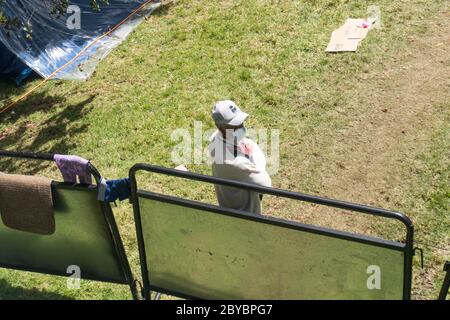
column 421, row 255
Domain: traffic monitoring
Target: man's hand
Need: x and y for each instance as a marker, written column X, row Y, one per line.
column 182, row 167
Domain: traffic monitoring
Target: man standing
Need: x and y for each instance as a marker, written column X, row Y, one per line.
column 236, row 157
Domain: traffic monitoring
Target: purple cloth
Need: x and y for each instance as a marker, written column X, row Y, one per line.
column 73, row 166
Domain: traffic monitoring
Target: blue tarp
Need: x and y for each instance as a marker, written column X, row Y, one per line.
column 53, row 43
column 11, row 67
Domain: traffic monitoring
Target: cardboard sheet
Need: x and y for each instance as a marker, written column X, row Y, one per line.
column 348, row 36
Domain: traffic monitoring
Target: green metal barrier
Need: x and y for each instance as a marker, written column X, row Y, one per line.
column 81, row 238
column 446, row 284
column 196, row 250
column 86, row 236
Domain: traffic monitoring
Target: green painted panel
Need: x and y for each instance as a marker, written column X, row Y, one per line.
column 81, row 238
column 213, row 256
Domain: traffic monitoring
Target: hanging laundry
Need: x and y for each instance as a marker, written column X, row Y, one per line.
column 102, row 189
column 26, row 203
column 112, row 190
column 73, row 166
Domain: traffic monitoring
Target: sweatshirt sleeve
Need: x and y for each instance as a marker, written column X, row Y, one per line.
column 258, row 157
column 261, row 178
column 250, row 173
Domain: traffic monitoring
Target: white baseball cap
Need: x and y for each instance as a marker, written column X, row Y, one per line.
column 227, row 112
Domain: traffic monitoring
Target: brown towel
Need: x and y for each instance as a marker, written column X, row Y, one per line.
column 26, row 203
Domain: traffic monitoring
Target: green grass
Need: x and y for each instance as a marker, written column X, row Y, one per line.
column 430, row 204
column 18, row 285
column 267, row 55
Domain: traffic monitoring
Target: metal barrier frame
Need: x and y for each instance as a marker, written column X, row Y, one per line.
column 446, row 284
column 107, row 214
column 407, row 247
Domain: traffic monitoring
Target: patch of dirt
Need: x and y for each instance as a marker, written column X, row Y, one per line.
column 372, row 159
column 400, row 108
column 403, row 110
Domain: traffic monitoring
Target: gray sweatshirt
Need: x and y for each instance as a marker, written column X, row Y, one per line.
column 245, row 163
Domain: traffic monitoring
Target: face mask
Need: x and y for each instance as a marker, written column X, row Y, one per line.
column 239, row 134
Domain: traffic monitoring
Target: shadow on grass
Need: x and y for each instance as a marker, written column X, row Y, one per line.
column 8, row 292
column 163, row 10
column 8, row 88
column 53, row 135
